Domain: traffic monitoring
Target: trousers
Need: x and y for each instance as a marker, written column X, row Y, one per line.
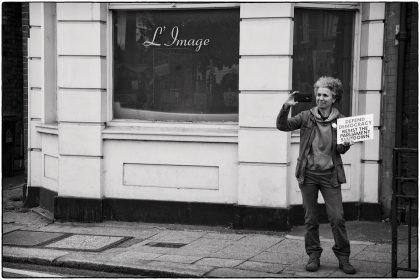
column 314, row 182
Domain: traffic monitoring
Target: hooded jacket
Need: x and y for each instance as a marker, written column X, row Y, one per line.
column 307, row 123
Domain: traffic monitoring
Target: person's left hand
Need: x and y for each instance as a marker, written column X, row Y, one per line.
column 348, row 143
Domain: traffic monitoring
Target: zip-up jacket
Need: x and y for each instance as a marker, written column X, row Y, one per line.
column 305, row 121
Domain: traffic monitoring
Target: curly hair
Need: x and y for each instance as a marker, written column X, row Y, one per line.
column 332, row 84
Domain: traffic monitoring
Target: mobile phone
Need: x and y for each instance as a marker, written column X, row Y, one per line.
column 303, row 97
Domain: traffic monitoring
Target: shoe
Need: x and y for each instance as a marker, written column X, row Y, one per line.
column 313, row 264
column 345, row 266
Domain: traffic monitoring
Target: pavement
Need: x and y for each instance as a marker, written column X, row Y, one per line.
column 173, row 250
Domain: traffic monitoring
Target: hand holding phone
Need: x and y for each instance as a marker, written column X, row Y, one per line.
column 291, row 100
column 303, row 97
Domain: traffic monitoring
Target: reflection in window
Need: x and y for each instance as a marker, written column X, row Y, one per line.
column 322, row 46
column 176, row 65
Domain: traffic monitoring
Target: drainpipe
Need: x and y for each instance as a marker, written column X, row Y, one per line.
column 402, row 37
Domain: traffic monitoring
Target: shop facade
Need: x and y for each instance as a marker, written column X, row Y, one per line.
column 167, row 112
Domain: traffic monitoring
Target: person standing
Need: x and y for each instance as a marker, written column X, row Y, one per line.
column 320, row 168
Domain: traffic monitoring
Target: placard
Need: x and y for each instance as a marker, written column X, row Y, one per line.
column 357, row 129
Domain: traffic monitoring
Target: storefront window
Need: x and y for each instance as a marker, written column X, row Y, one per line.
column 322, row 46
column 176, row 65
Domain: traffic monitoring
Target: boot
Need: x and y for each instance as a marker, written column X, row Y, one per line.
column 313, row 263
column 345, row 266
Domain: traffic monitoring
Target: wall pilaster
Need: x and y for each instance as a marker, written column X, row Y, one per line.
column 370, row 89
column 81, row 101
column 263, row 150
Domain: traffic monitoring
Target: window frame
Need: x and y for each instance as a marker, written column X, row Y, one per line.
column 110, row 52
column 357, row 28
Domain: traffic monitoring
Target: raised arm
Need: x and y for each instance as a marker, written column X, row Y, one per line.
column 283, row 122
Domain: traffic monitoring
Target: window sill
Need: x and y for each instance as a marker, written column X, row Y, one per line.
column 178, row 132
column 47, row 128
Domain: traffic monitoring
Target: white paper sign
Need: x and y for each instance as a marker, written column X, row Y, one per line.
column 357, row 129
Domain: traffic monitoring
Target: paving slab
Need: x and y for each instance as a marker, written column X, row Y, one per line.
column 378, row 268
column 204, row 247
column 135, row 256
column 383, row 248
column 177, row 236
column 100, row 261
column 372, row 256
column 219, row 262
column 402, row 253
column 407, row 274
column 299, row 270
column 404, row 263
column 190, row 270
column 37, row 255
column 364, row 231
column 27, row 219
column 262, row 241
column 354, row 248
column 86, row 242
column 11, row 227
column 178, row 258
column 30, row 238
column 359, row 274
column 261, row 266
column 223, row 236
column 288, row 245
column 357, row 248
column 99, row 230
column 238, row 252
column 402, row 249
column 130, row 242
column 84, row 257
column 280, row 258
column 143, row 248
column 241, row 273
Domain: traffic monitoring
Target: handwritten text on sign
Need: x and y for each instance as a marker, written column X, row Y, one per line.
column 357, row 129
column 197, row 43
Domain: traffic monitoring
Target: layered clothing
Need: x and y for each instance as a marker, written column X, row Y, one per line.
column 313, row 127
column 319, row 168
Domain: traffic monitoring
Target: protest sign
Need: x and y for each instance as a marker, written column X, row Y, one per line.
column 357, row 129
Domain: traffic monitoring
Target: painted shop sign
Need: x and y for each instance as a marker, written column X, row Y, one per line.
column 357, row 129
column 176, row 40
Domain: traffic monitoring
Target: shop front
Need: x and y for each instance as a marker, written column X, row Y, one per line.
column 167, row 112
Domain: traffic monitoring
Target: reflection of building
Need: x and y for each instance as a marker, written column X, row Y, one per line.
column 95, row 167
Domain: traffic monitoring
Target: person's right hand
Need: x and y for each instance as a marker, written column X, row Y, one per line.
column 291, row 99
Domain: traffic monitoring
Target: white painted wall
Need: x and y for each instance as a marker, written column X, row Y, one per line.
column 50, row 161
column 35, row 93
column 265, row 76
column 371, row 51
column 81, row 80
column 256, row 170
column 169, row 163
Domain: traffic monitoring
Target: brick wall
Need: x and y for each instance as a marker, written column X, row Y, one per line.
column 389, row 100
column 25, row 36
column 409, row 125
column 12, row 60
column 12, row 89
column 410, row 103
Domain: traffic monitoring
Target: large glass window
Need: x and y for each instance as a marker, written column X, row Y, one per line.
column 178, row 65
column 322, row 46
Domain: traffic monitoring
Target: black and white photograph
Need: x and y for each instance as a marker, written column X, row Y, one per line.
column 209, row 139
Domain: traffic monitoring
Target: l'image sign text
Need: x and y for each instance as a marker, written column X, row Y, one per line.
column 176, row 41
